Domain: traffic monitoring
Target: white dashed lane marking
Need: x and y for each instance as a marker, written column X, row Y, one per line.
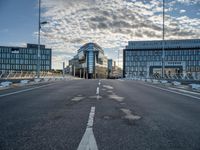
column 88, row 141
column 97, row 92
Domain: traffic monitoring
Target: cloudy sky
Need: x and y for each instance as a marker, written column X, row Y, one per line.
column 110, row 23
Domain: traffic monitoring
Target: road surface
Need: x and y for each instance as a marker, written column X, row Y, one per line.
column 99, row 114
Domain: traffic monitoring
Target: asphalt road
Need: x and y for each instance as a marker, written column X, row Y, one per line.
column 128, row 115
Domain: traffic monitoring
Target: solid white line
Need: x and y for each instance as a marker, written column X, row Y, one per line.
column 25, row 90
column 88, row 141
column 185, row 91
column 174, row 92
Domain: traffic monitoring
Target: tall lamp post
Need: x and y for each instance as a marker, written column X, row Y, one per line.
column 39, row 52
column 163, row 41
column 118, row 57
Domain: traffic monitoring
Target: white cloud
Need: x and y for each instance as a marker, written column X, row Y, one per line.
column 189, row 2
column 182, row 11
column 109, row 23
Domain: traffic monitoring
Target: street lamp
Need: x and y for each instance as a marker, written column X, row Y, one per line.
column 118, row 57
column 163, row 41
column 38, row 52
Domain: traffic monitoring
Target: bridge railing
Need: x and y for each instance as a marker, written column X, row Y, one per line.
column 27, row 74
column 195, row 77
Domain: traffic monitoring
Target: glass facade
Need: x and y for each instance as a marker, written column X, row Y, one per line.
column 90, row 62
column 24, row 59
column 144, row 58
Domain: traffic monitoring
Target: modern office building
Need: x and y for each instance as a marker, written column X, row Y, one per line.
column 114, row 71
column 144, row 58
column 110, row 67
column 24, row 58
column 90, row 62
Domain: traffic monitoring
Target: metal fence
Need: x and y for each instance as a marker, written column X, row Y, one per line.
column 170, row 77
column 26, row 74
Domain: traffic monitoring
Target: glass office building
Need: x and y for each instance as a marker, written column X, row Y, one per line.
column 24, row 58
column 90, row 62
column 144, row 58
column 110, row 67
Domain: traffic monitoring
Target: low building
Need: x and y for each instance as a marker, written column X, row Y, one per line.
column 24, row 58
column 144, row 58
column 90, row 62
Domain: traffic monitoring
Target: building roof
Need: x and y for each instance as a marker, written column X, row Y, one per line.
column 29, row 46
column 95, row 46
column 157, row 44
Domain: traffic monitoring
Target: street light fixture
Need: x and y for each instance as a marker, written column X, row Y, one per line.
column 39, row 52
column 118, row 56
column 163, row 41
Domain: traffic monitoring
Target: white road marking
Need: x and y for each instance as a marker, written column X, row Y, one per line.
column 25, row 90
column 97, row 92
column 108, row 87
column 129, row 115
column 185, row 91
column 88, row 141
column 174, row 92
column 91, row 118
column 78, row 98
column 116, row 97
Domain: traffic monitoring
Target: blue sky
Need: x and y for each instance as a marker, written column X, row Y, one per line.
column 110, row 23
column 18, row 21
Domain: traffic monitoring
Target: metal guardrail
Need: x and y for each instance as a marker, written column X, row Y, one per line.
column 184, row 81
column 26, row 74
column 190, row 84
column 170, row 77
column 11, row 80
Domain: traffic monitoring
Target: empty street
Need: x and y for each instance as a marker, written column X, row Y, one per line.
column 98, row 114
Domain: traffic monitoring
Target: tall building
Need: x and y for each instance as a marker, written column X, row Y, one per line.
column 110, row 67
column 113, row 70
column 24, row 58
column 90, row 62
column 144, row 58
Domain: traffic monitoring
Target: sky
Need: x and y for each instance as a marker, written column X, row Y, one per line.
column 109, row 23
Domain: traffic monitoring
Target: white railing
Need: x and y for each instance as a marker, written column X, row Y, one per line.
column 195, row 77
column 27, row 74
